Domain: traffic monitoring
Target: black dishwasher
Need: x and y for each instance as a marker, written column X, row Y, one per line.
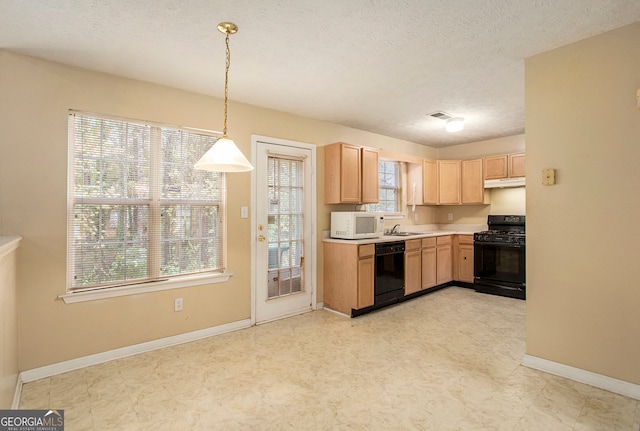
column 389, row 281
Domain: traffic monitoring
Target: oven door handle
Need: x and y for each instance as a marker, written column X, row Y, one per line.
column 499, row 244
column 479, row 281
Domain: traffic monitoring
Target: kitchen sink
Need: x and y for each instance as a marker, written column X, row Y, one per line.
column 403, row 233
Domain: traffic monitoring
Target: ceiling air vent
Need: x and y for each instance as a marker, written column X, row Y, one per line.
column 441, row 115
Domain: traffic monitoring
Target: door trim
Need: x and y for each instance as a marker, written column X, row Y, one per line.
column 312, row 264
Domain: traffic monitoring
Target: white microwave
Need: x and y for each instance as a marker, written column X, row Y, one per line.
column 356, row 225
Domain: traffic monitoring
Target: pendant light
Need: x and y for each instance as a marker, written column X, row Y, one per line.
column 224, row 155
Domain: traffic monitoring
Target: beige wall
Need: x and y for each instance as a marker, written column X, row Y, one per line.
column 8, row 329
column 491, row 147
column 583, row 294
column 34, row 98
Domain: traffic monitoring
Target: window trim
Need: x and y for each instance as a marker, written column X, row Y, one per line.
column 134, row 287
column 145, row 287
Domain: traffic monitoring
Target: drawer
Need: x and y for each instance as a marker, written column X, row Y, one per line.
column 465, row 239
column 443, row 240
column 428, row 242
column 412, row 244
column 366, row 250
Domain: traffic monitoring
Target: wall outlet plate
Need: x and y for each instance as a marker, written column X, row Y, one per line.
column 548, row 177
column 178, row 304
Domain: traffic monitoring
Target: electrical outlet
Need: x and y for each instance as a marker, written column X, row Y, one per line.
column 415, row 217
column 178, row 304
column 449, row 216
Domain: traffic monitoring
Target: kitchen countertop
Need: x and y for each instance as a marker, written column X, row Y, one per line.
column 390, row 238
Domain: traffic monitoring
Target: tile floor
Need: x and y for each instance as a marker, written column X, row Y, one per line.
column 449, row 360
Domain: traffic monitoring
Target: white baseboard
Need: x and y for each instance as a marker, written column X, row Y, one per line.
column 86, row 361
column 610, row 384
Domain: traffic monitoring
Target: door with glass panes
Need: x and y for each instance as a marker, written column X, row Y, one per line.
column 284, row 208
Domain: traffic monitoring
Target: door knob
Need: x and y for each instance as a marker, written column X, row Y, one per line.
column 261, row 238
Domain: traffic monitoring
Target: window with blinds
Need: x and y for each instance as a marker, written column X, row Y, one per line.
column 138, row 211
column 389, row 194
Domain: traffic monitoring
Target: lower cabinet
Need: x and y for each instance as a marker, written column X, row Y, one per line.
column 412, row 266
column 429, row 263
column 463, row 258
column 444, row 272
column 366, row 275
column 435, row 263
column 345, row 289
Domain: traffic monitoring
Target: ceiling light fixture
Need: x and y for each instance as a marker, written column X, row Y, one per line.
column 455, row 124
column 224, row 155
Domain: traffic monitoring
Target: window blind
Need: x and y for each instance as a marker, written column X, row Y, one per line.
column 138, row 211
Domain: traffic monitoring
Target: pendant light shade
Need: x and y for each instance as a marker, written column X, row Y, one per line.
column 224, row 155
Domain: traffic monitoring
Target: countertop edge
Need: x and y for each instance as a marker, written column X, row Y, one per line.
column 396, row 238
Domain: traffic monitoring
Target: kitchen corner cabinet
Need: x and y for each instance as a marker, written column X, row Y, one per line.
column 444, row 271
column 504, row 166
column 429, row 182
column 449, row 182
column 463, row 258
column 415, row 182
column 350, row 174
column 412, row 266
column 345, row 289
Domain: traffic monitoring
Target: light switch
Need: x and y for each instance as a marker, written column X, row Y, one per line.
column 638, row 99
column 548, row 177
column 244, row 212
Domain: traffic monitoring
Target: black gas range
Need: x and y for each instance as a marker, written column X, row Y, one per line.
column 500, row 255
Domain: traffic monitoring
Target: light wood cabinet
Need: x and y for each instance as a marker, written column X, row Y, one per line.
column 472, row 182
column 346, row 289
column 495, row 167
column 366, row 277
column 463, row 258
column 504, row 166
column 516, row 165
column 444, row 271
column 429, row 182
column 449, row 182
column 412, row 266
column 350, row 174
column 414, row 184
column 429, row 263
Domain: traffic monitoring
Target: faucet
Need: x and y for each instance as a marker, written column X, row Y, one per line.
column 394, row 229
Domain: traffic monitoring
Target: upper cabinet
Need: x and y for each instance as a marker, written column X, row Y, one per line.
column 449, row 182
column 350, row 174
column 460, row 182
column 370, row 180
column 429, row 182
column 504, row 166
column 472, row 182
column 516, row 165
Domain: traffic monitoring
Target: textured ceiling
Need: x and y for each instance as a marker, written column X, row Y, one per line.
column 377, row 65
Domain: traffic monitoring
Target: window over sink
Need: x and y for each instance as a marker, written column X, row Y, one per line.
column 390, row 187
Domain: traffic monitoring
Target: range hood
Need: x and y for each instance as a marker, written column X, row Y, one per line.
column 504, row 182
